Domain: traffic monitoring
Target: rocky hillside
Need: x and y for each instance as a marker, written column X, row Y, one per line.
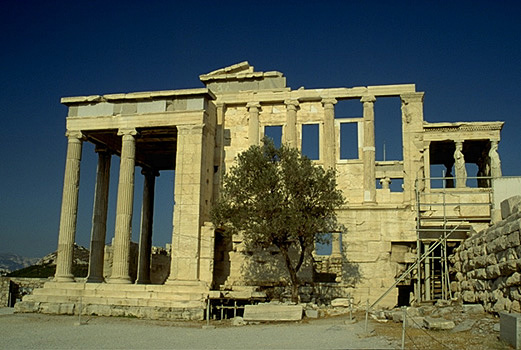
column 11, row 262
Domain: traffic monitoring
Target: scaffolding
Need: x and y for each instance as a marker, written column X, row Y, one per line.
column 445, row 217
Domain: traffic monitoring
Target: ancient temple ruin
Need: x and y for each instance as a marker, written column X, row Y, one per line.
column 199, row 132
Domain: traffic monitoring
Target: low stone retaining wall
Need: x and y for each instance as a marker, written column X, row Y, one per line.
column 17, row 287
column 487, row 266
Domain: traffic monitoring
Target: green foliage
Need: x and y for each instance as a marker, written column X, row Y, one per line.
column 277, row 196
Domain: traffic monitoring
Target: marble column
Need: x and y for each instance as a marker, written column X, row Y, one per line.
column 253, row 123
column 69, row 208
column 459, row 166
column 125, row 202
column 145, row 238
column 369, row 149
column 290, row 132
column 328, row 134
column 99, row 216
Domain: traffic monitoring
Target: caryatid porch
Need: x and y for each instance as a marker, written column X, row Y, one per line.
column 164, row 130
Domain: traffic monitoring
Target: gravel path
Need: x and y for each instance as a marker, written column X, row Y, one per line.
column 37, row 331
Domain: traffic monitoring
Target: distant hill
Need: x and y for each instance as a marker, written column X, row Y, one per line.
column 11, row 262
column 46, row 266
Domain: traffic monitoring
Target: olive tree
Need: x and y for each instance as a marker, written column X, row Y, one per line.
column 278, row 197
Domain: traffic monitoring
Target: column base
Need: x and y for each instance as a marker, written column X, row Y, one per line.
column 119, row 280
column 95, row 279
column 68, row 278
column 143, row 281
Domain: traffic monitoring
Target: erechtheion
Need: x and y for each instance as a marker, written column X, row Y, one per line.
column 199, row 132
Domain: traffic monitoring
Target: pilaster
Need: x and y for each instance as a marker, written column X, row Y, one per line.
column 186, row 235
column 253, row 123
column 69, row 208
column 369, row 149
column 99, row 216
column 125, row 202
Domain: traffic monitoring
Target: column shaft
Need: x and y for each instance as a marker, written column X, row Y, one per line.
column 328, row 134
column 369, row 149
column 253, row 123
column 336, row 250
column 145, row 239
column 69, row 209
column 125, row 202
column 99, row 217
column 290, row 132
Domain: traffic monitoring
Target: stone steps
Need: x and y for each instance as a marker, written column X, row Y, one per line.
column 173, row 301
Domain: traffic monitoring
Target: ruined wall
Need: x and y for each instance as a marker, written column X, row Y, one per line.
column 487, row 266
column 18, row 286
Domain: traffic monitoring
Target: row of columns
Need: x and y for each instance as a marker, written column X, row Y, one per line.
column 328, row 135
column 122, row 237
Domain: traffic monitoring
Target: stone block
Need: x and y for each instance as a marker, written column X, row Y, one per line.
column 464, row 326
column 311, row 313
column 473, row 308
column 272, row 312
column 340, row 302
column 510, row 329
column 438, row 323
column 510, row 206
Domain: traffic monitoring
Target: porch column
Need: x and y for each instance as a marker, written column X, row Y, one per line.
column 147, row 215
column 253, row 123
column 328, row 134
column 69, row 208
column 459, row 166
column 125, row 202
column 495, row 163
column 99, row 216
column 186, row 235
column 369, row 149
column 290, row 132
column 336, row 249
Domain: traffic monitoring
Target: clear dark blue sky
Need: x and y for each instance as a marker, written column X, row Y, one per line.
column 465, row 55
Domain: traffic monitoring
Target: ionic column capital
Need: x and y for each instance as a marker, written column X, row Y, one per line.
column 252, row 106
column 329, row 102
column 368, row 99
column 291, row 105
column 75, row 134
column 127, row 131
column 149, row 171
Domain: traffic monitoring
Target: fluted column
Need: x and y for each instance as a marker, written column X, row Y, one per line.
column 369, row 149
column 99, row 216
column 69, row 209
column 253, row 123
column 459, row 166
column 147, row 215
column 290, row 132
column 125, row 202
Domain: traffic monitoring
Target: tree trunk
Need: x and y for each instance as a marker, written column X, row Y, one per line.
column 292, row 275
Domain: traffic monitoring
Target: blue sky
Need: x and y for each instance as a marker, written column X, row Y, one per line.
column 465, row 56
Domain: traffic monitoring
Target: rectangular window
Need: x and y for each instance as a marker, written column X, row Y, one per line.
column 349, row 141
column 274, row 132
column 311, row 141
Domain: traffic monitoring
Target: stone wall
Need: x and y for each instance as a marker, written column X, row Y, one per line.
column 487, row 265
column 18, row 286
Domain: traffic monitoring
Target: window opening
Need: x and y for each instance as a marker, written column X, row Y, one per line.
column 388, row 129
column 349, row 141
column 311, row 141
column 274, row 132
